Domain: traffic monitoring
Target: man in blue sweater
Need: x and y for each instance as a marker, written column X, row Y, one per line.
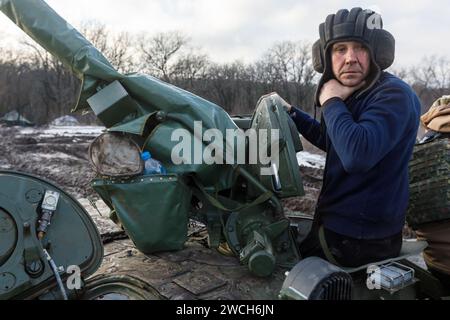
column 370, row 120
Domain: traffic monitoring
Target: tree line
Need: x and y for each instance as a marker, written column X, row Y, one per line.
column 40, row 88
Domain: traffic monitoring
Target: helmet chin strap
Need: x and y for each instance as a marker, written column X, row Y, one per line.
column 373, row 76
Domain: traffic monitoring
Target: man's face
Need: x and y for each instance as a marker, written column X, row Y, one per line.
column 351, row 62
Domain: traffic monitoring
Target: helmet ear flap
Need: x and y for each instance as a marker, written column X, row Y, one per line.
column 383, row 48
column 318, row 58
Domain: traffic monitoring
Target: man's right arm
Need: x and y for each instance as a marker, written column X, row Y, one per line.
column 309, row 128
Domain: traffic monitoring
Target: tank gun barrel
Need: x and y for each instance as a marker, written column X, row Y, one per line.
column 124, row 102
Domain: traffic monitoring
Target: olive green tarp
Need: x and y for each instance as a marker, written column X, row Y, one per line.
column 58, row 37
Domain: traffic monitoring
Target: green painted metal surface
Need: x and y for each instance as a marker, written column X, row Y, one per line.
column 72, row 238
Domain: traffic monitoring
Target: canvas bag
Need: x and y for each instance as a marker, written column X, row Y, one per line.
column 153, row 209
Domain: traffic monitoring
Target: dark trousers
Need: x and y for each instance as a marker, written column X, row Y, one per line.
column 351, row 252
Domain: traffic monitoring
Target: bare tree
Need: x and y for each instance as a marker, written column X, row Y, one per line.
column 158, row 52
column 229, row 86
column 96, row 33
column 120, row 53
column 401, row 72
column 304, row 76
column 431, row 79
column 190, row 66
column 116, row 47
column 282, row 57
column 287, row 69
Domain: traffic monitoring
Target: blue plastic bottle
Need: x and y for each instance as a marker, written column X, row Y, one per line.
column 152, row 166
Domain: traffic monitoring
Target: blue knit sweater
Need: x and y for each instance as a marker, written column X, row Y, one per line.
column 369, row 141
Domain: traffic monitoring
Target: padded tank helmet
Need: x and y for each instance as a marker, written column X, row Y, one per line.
column 365, row 26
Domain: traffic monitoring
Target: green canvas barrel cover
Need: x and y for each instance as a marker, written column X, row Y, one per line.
column 148, row 94
column 430, row 183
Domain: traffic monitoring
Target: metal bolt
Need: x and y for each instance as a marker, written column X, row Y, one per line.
column 34, row 268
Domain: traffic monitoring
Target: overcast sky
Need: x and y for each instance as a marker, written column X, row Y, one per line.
column 243, row 29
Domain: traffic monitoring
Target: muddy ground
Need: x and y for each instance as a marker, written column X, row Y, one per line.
column 58, row 158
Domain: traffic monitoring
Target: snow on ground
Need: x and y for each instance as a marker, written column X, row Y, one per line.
column 59, row 155
column 64, row 131
column 306, row 159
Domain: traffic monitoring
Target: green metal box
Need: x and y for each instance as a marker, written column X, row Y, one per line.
column 112, row 104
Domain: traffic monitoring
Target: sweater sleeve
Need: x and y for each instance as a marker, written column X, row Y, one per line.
column 309, row 128
column 362, row 143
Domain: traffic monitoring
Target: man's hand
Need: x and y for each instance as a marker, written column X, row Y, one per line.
column 334, row 88
column 285, row 105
